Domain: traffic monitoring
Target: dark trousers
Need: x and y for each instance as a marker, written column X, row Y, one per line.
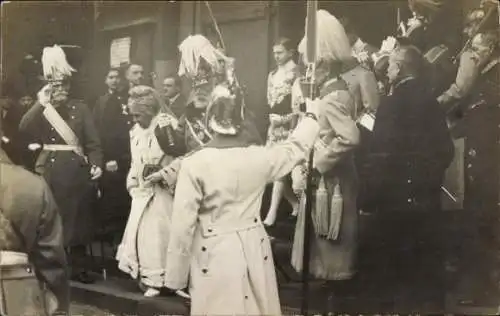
column 410, row 252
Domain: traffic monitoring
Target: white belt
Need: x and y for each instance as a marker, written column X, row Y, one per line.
column 61, row 147
column 12, row 258
column 208, row 230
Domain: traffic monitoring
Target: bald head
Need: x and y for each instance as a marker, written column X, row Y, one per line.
column 405, row 61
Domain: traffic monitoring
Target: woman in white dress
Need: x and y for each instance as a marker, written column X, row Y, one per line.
column 142, row 252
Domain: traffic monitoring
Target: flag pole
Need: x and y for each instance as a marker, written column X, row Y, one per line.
column 312, row 7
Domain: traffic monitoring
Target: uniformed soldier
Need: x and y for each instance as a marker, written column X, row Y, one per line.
column 33, row 275
column 71, row 156
column 472, row 102
column 210, row 67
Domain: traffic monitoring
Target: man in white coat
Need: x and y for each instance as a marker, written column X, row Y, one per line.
column 218, row 239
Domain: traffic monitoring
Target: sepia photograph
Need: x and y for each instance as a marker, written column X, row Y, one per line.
column 280, row 157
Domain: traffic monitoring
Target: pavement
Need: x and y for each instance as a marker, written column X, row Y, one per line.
column 77, row 309
column 376, row 289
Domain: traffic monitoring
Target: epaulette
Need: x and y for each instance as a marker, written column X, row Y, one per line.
column 333, row 85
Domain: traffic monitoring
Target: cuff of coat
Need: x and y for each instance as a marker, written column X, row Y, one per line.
column 306, row 132
column 177, row 270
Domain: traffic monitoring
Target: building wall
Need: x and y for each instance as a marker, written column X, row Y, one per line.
column 153, row 26
column 27, row 27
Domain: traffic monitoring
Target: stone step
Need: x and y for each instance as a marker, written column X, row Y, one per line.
column 122, row 297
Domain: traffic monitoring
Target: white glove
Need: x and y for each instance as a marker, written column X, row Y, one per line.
column 44, row 95
column 313, row 106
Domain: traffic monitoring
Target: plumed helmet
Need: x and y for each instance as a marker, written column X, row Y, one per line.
column 200, row 60
column 332, row 41
column 55, row 64
column 225, row 111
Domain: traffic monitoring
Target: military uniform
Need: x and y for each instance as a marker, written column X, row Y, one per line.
column 27, row 204
column 476, row 120
column 67, row 173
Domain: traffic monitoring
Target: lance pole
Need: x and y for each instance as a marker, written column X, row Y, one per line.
column 311, row 24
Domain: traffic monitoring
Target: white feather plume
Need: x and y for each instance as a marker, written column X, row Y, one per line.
column 332, row 42
column 55, row 64
column 195, row 47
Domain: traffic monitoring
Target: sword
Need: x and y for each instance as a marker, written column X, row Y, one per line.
column 449, row 194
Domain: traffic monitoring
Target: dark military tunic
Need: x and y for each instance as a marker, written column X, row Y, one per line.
column 26, row 201
column 478, row 123
column 113, row 124
column 68, row 174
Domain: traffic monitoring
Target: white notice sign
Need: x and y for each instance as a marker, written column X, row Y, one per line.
column 120, row 51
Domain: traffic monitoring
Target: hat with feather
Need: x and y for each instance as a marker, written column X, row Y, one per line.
column 201, row 61
column 55, row 65
column 204, row 64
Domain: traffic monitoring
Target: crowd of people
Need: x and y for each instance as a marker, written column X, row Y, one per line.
column 182, row 179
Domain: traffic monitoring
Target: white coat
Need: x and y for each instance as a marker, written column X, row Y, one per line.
column 217, row 237
column 143, row 249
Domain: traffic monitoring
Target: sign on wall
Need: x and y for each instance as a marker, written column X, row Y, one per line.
column 120, row 51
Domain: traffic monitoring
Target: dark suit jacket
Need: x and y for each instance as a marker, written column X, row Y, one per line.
column 178, row 106
column 410, row 150
column 113, row 126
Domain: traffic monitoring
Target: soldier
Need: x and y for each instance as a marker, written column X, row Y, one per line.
column 472, row 103
column 217, row 239
column 335, row 241
column 71, row 155
column 32, row 258
column 191, row 131
column 113, row 123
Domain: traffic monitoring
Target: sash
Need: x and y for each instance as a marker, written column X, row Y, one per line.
column 62, row 128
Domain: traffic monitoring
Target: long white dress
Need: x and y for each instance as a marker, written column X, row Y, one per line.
column 142, row 252
column 218, row 238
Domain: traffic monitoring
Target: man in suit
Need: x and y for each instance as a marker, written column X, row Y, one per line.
column 113, row 123
column 410, row 151
column 134, row 75
column 172, row 95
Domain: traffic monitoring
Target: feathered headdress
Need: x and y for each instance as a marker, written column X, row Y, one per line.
column 331, row 39
column 224, row 113
column 55, row 65
column 200, row 59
